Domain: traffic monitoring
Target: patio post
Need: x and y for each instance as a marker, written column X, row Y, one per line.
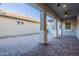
column 56, row 28
column 43, row 28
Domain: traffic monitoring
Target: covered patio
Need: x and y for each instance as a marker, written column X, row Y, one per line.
column 24, row 36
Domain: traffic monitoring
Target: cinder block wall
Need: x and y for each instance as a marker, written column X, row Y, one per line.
column 10, row 27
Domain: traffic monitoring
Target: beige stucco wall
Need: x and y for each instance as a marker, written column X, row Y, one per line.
column 71, row 32
column 77, row 27
column 10, row 27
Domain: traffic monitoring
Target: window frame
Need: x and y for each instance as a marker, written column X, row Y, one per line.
column 70, row 29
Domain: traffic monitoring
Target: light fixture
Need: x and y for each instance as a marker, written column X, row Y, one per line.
column 66, row 14
column 22, row 22
column 64, row 6
column 18, row 22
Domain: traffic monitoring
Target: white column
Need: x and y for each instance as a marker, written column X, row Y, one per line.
column 43, row 28
column 61, row 28
column 56, row 28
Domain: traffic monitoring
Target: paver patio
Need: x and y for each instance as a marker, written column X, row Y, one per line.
column 31, row 46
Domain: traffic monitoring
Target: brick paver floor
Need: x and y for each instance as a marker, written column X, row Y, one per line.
column 31, row 46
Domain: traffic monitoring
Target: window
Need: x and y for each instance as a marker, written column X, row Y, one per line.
column 68, row 25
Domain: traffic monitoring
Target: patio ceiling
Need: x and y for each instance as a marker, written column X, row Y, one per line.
column 61, row 9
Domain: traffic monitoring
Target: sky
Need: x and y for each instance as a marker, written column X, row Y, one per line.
column 21, row 8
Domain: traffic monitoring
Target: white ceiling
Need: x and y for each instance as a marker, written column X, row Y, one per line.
column 73, row 9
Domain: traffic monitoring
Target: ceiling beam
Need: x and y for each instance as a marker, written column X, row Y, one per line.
column 44, row 7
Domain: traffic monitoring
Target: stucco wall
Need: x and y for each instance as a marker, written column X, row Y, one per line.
column 10, row 27
column 71, row 32
column 77, row 27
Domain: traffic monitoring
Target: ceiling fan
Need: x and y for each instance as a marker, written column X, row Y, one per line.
column 58, row 5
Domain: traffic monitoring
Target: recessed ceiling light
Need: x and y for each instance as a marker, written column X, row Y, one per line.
column 64, row 6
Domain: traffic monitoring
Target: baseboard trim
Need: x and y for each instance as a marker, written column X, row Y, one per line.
column 29, row 34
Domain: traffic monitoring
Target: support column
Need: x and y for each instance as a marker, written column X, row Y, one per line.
column 61, row 27
column 56, row 28
column 43, row 28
